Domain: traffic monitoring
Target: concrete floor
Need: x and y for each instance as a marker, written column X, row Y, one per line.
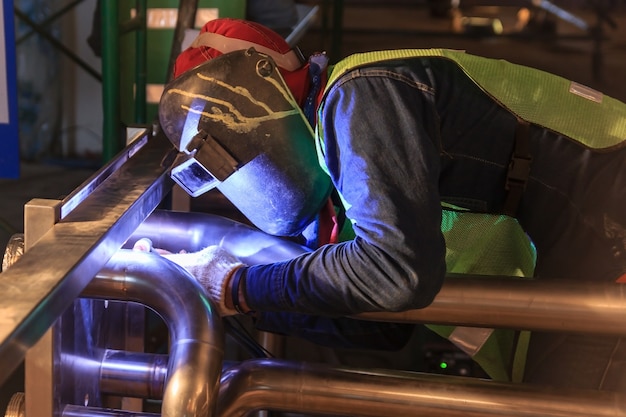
column 368, row 26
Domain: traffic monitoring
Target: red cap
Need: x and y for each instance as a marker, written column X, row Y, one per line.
column 236, row 29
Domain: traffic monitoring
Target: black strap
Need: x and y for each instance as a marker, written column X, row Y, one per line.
column 236, row 283
column 519, row 169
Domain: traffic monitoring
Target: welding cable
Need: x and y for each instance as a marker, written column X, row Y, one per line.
column 240, row 334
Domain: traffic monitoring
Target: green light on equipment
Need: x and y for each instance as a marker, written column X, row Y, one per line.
column 443, row 365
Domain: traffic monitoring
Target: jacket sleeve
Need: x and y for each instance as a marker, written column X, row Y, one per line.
column 381, row 150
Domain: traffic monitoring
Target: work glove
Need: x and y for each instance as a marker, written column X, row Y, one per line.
column 212, row 266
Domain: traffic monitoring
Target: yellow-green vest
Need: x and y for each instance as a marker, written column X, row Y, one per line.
column 495, row 244
column 592, row 118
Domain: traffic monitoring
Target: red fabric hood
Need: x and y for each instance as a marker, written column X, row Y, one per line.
column 297, row 80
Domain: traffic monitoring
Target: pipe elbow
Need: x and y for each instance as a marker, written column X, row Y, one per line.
column 197, row 347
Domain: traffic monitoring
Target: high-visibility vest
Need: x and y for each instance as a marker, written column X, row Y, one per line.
column 490, row 244
column 592, row 118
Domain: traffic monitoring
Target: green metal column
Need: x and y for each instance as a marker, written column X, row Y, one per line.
column 111, row 130
column 131, row 66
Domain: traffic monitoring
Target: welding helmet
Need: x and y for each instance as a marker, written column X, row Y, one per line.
column 239, row 129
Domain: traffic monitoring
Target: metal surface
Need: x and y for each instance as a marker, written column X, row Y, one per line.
column 35, row 293
column 186, row 18
column 115, row 208
column 477, row 301
column 41, row 367
column 562, row 306
column 52, row 38
column 77, row 196
column 318, row 389
column 78, row 411
column 197, row 346
column 134, row 374
column 176, row 231
column 307, row 15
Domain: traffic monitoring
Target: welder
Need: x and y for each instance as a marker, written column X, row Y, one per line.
column 360, row 161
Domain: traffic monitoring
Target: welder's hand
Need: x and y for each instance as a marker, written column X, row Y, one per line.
column 212, row 267
column 145, row 245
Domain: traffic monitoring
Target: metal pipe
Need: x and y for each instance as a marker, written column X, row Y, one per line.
column 111, row 108
column 189, row 231
column 271, row 384
column 58, row 45
column 197, row 346
column 186, row 20
column 503, row 302
column 479, row 301
column 79, row 411
column 137, row 375
column 300, row 387
column 49, row 20
column 133, row 374
column 561, row 13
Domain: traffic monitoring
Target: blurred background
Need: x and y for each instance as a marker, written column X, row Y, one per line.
column 63, row 69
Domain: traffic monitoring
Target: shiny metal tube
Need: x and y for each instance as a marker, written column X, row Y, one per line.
column 478, row 301
column 312, row 388
column 550, row 305
column 300, row 387
column 189, row 231
column 78, row 411
column 197, row 346
column 133, row 374
column 138, row 375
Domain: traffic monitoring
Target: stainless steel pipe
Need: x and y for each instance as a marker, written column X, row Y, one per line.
column 300, row 387
column 137, row 375
column 526, row 304
column 79, row 411
column 476, row 301
column 272, row 384
column 197, row 347
column 317, row 389
column 133, row 374
column 191, row 232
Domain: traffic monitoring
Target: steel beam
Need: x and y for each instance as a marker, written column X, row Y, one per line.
column 51, row 274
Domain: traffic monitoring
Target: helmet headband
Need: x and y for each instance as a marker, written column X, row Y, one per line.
column 290, row 61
